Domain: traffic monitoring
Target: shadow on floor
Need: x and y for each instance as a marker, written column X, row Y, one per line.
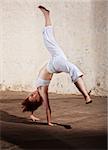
column 5, row 116
column 28, row 135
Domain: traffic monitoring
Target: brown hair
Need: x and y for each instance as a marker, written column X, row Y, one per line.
column 28, row 105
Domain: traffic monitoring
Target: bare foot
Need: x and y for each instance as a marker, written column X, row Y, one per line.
column 43, row 9
column 88, row 100
column 33, row 118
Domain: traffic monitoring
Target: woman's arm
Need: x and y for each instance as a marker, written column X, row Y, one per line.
column 47, row 107
column 44, row 94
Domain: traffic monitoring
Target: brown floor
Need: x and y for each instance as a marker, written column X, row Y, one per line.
column 77, row 126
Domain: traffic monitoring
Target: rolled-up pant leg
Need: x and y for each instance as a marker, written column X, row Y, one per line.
column 74, row 72
column 63, row 65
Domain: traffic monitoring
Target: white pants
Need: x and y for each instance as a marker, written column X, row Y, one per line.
column 58, row 62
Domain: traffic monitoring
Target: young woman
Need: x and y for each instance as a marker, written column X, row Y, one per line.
column 58, row 63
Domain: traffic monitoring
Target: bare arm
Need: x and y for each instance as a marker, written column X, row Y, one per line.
column 47, row 107
column 45, row 98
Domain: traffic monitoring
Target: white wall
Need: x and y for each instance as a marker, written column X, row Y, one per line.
column 80, row 29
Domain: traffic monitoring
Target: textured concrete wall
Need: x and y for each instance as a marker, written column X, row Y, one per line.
column 80, row 29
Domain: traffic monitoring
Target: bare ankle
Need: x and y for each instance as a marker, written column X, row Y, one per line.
column 87, row 97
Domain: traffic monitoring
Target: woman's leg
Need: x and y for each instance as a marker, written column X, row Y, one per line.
column 48, row 35
column 81, row 87
column 46, row 14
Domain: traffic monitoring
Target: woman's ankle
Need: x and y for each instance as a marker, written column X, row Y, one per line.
column 87, row 98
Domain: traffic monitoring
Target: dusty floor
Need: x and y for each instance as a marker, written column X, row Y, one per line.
column 77, row 126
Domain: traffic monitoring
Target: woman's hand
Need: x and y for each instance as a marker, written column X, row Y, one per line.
column 50, row 124
column 33, row 118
